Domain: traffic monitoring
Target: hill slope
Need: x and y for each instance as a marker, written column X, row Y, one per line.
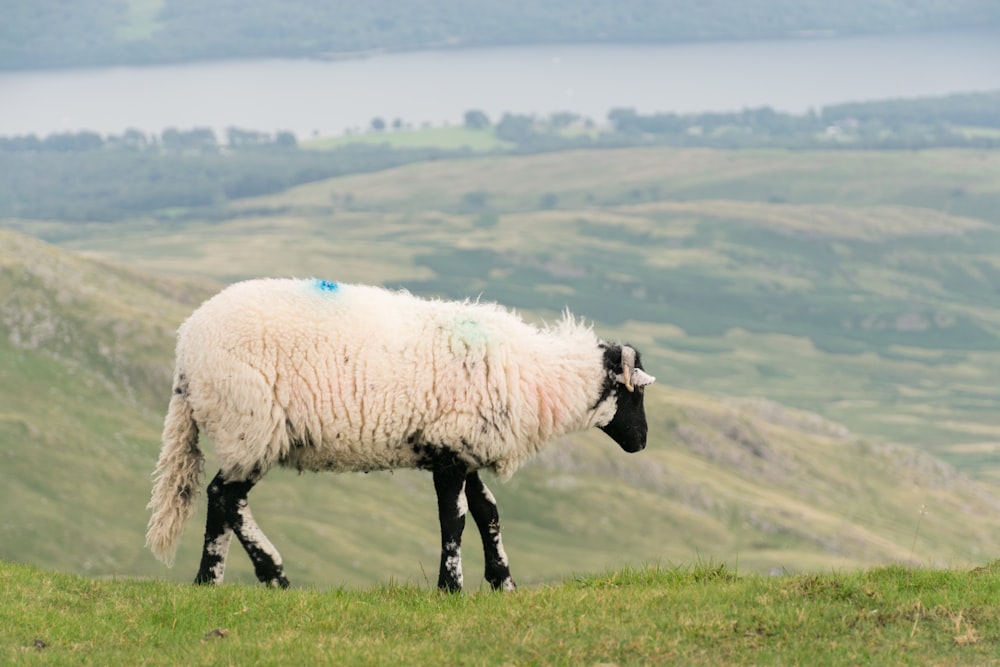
column 85, row 352
column 82, row 352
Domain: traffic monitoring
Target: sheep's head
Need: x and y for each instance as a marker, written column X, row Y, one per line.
column 626, row 381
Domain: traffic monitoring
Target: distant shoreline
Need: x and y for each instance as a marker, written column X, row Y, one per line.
column 453, row 44
column 343, row 93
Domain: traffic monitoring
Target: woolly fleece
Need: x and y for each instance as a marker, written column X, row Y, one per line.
column 321, row 376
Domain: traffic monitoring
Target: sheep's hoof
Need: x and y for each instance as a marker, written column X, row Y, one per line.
column 505, row 585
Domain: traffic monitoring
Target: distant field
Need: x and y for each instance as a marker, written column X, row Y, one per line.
column 986, row 132
column 142, row 20
column 445, row 138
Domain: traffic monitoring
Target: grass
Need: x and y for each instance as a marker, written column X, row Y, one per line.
column 704, row 614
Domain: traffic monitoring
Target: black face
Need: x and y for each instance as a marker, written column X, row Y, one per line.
column 628, row 427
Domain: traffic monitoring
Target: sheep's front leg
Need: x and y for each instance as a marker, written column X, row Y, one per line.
column 483, row 507
column 449, row 483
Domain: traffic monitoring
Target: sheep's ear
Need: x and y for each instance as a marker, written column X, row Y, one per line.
column 636, row 378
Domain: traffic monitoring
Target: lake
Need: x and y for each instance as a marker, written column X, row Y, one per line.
column 311, row 97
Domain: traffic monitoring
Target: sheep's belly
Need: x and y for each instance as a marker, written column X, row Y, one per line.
column 345, row 458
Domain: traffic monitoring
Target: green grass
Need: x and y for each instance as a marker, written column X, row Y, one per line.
column 445, row 138
column 706, row 614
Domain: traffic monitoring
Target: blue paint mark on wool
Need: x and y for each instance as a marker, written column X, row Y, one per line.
column 326, row 286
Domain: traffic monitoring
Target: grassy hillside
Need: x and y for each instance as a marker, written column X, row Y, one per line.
column 701, row 615
column 82, row 372
column 85, row 353
column 864, row 286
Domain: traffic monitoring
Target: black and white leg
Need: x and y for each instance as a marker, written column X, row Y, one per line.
column 449, row 483
column 228, row 500
column 217, row 536
column 266, row 559
column 483, row 507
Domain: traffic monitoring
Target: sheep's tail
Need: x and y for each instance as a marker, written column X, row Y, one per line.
column 176, row 477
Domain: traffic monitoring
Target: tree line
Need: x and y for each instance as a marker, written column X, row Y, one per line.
column 84, row 176
column 197, row 140
column 963, row 120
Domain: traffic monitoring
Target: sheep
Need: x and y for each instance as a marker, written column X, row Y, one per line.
column 320, row 376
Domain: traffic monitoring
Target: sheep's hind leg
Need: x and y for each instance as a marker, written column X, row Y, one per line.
column 217, row 536
column 483, row 507
column 449, row 483
column 228, row 513
column 266, row 559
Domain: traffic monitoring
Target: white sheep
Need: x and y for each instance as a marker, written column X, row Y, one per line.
column 316, row 375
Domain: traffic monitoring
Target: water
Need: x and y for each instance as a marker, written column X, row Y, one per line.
column 435, row 88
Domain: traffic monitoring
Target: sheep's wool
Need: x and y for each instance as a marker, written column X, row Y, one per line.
column 324, row 376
